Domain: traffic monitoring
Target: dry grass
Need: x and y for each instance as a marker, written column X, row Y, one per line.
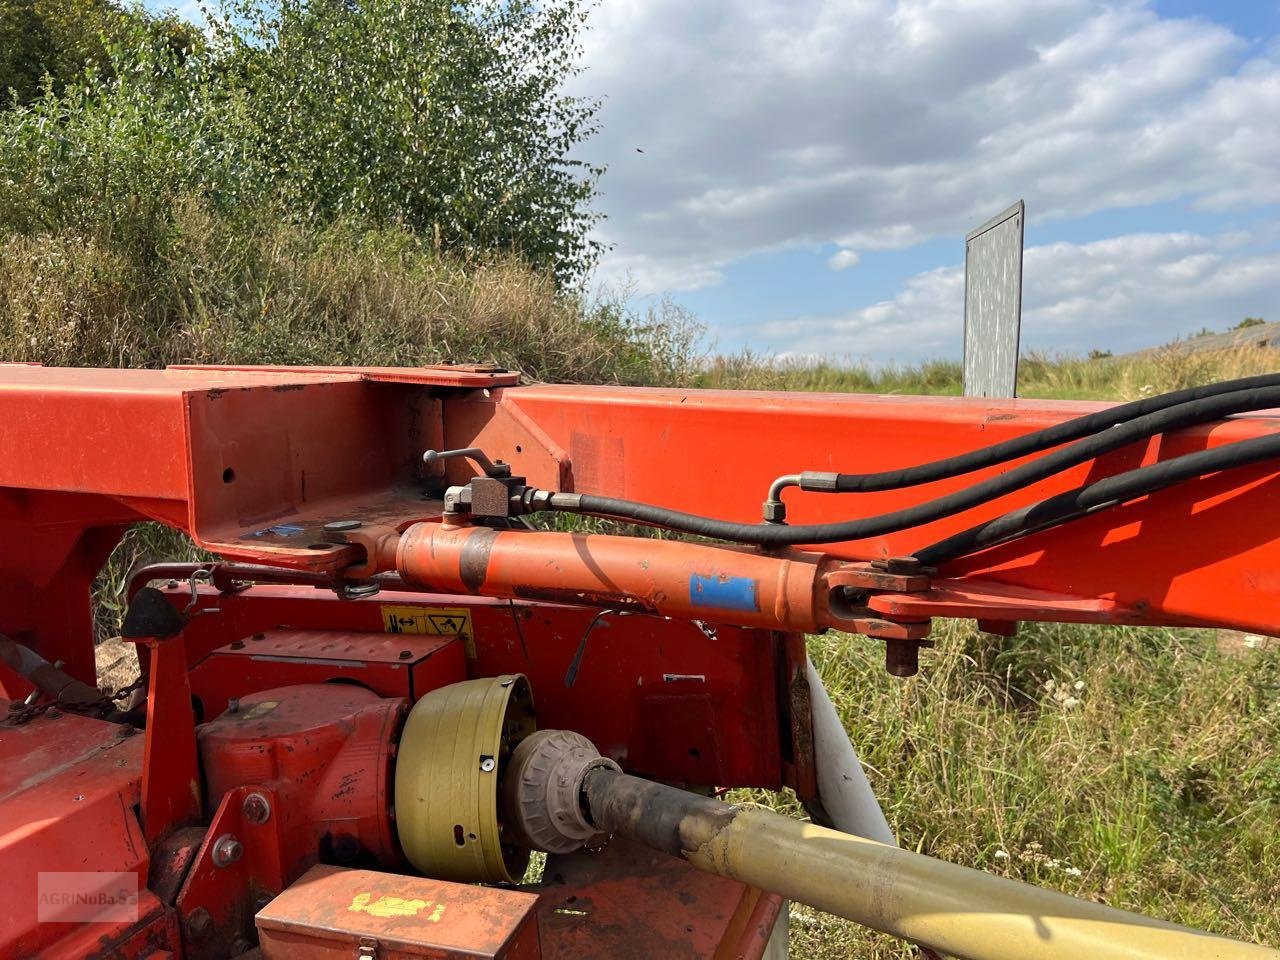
column 1040, row 376
column 1136, row 767
column 212, row 291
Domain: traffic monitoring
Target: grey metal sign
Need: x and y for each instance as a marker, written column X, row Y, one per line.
column 993, row 305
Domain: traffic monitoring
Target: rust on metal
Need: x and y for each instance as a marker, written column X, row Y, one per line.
column 330, row 911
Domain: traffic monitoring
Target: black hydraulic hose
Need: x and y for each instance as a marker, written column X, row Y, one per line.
column 1016, row 447
column 775, row 535
column 1100, row 495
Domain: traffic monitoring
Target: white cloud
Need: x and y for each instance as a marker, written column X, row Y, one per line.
column 844, row 259
column 873, row 124
column 1122, row 293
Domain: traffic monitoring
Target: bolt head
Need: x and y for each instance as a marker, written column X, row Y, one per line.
column 199, row 924
column 227, row 850
column 256, row 808
column 342, row 526
column 488, row 764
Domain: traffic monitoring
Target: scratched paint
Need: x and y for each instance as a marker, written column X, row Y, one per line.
column 723, row 592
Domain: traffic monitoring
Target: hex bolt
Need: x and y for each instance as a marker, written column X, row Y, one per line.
column 227, row 850
column 256, row 808
column 199, row 925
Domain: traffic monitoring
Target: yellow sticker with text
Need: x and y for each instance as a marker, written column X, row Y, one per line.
column 430, row 622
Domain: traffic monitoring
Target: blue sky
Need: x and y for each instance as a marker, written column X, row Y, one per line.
column 809, row 168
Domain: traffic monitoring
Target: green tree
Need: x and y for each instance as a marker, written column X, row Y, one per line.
column 446, row 118
column 26, row 49
column 57, row 40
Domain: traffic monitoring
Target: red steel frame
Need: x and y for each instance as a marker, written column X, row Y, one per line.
column 253, row 462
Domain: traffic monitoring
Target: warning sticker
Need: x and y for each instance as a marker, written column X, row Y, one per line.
column 431, row 622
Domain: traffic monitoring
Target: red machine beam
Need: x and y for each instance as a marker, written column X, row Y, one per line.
column 253, row 462
column 1205, row 552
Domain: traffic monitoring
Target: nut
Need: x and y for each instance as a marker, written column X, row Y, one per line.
column 256, row 808
column 775, row 511
column 227, row 850
column 199, row 924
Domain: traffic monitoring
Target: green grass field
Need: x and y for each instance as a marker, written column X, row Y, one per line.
column 1134, row 767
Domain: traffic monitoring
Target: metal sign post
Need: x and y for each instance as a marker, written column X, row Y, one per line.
column 993, row 305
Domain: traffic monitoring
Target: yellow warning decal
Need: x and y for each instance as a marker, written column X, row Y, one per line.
column 430, row 622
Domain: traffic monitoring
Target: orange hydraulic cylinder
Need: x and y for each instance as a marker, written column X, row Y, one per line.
column 664, row 577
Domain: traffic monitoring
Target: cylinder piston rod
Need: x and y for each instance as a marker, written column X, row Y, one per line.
column 961, row 912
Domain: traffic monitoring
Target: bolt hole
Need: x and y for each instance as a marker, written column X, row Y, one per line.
column 459, row 835
column 228, row 475
column 519, row 449
column 319, row 546
column 695, row 753
column 471, row 836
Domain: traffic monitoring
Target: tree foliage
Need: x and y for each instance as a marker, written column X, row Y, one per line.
column 446, row 118
column 54, row 41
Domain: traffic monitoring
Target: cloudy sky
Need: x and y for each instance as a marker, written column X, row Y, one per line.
column 801, row 173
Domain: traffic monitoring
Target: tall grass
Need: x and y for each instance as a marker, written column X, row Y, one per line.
column 209, row 290
column 1042, row 376
column 1135, row 767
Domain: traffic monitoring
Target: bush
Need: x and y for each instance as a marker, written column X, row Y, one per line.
column 52, row 42
column 447, row 119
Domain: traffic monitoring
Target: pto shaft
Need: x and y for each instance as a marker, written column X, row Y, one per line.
column 960, row 912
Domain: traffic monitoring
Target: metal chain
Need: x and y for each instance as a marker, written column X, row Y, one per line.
column 21, row 713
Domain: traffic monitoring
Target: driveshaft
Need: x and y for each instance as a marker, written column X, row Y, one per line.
column 961, row 912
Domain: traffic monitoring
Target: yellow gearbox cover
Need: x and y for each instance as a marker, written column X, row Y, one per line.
column 453, row 751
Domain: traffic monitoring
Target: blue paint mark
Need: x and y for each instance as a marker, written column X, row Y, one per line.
column 726, row 593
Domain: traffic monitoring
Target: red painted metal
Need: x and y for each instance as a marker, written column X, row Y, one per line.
column 335, row 914
column 171, row 774
column 633, row 903
column 1198, row 553
column 324, row 751
column 390, row 665
column 68, row 791
column 254, row 462
column 662, row 697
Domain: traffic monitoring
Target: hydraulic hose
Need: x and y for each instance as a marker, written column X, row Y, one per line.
column 1100, row 495
column 1183, row 415
column 1016, row 447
